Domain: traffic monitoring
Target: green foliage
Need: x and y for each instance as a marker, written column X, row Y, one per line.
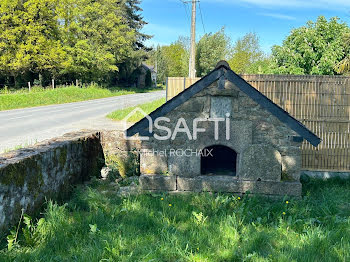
column 171, row 60
column 29, row 37
column 30, row 232
column 126, row 166
column 314, row 49
column 11, row 240
column 147, row 108
column 247, row 56
column 157, row 58
column 199, row 218
column 176, row 56
column 244, row 57
column 344, row 65
column 93, row 228
column 71, row 39
column 99, row 226
column 211, row 48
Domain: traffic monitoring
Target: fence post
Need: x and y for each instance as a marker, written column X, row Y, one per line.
column 29, row 86
column 53, row 83
column 166, row 90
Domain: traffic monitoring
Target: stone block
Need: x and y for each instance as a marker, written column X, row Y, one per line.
column 187, row 166
column 272, row 188
column 220, row 106
column 114, row 141
column 291, row 166
column 158, row 182
column 213, row 90
column 233, row 185
column 260, row 163
column 196, row 105
column 153, row 162
column 209, row 183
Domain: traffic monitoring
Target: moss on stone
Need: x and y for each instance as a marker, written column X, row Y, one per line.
column 14, row 174
column 35, row 182
column 63, row 156
column 285, row 177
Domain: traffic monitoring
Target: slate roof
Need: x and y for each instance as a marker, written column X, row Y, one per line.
column 149, row 67
column 223, row 72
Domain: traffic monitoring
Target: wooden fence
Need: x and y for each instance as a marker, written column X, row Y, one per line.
column 322, row 103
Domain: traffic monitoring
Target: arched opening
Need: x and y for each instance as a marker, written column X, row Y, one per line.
column 218, row 160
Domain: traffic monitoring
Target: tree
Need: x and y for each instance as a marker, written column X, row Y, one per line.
column 344, row 65
column 313, row 49
column 96, row 37
column 247, row 57
column 69, row 39
column 171, row 60
column 156, row 57
column 176, row 59
column 138, row 51
column 211, row 48
column 12, row 30
column 29, row 38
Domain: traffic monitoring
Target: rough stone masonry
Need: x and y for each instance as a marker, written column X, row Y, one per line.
column 48, row 170
column 264, row 140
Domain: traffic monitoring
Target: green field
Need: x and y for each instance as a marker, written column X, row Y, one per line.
column 40, row 96
column 147, row 108
column 97, row 225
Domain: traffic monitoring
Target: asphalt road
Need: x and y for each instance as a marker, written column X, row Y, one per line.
column 22, row 127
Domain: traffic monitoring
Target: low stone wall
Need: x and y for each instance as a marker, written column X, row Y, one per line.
column 46, row 171
column 324, row 175
column 115, row 144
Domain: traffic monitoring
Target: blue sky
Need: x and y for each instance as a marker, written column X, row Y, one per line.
column 272, row 20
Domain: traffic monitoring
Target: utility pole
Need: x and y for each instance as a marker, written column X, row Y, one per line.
column 192, row 64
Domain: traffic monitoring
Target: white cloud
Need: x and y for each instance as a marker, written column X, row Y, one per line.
column 278, row 16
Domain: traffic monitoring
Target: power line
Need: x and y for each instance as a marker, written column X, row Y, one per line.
column 186, row 11
column 200, row 10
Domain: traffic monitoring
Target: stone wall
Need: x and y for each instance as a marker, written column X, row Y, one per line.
column 46, row 171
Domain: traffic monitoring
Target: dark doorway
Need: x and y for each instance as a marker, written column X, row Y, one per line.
column 218, row 160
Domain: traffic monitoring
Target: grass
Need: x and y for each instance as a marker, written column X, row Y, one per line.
column 147, row 108
column 39, row 96
column 97, row 225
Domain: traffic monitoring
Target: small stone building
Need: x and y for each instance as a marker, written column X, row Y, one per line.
column 143, row 70
column 256, row 147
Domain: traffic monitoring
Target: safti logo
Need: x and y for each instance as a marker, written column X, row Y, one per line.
column 180, row 127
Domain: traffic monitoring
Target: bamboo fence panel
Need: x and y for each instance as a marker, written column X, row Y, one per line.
column 321, row 103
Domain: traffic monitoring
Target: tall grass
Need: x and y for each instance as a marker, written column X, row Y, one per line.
column 39, row 96
column 147, row 108
column 97, row 225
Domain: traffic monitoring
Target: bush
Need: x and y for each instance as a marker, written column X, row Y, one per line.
column 126, row 165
